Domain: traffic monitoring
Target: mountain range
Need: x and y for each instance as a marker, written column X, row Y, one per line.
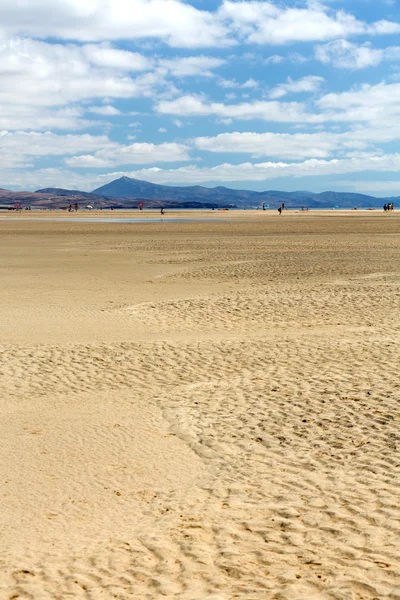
column 126, row 192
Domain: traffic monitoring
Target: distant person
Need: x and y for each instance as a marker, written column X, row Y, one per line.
column 263, row 205
column 385, row 207
column 76, row 207
column 70, row 208
column 283, row 206
column 280, row 210
column 162, row 210
column 141, row 206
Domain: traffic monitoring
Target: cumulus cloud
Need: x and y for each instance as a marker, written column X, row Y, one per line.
column 177, row 23
column 191, row 66
column 55, row 74
column 41, row 83
column 105, row 56
column 268, row 111
column 310, row 83
column 133, row 154
column 377, row 104
column 346, row 55
column 269, row 23
column 384, row 28
column 106, row 110
column 232, row 83
column 21, row 147
column 180, row 24
column 19, row 116
column 282, row 145
column 274, row 59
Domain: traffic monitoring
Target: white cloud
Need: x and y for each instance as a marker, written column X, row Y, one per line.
column 103, row 55
column 107, row 110
column 21, row 146
column 162, row 130
column 268, row 23
column 17, row 116
column 250, row 83
column 346, row 55
column 268, row 111
column 377, row 104
column 40, row 82
column 384, row 28
column 275, row 59
column 310, row 83
column 177, row 23
column 133, row 154
column 282, row 145
column 232, row 83
column 191, row 66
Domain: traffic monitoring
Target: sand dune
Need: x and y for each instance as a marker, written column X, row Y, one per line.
column 203, row 411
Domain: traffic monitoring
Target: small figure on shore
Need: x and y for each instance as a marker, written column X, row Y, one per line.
column 70, row 208
column 280, row 210
column 162, row 210
column 141, row 206
column 76, row 207
column 263, row 205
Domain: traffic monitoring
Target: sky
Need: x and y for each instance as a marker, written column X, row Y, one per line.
column 295, row 95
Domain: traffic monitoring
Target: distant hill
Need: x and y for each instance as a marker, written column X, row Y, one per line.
column 62, row 192
column 126, row 192
column 126, row 187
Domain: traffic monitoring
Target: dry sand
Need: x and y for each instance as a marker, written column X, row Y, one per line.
column 200, row 410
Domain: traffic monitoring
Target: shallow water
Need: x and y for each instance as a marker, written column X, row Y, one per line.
column 110, row 220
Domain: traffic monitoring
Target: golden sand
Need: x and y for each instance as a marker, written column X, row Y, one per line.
column 200, row 410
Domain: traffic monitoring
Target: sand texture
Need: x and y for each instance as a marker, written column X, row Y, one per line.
column 200, row 410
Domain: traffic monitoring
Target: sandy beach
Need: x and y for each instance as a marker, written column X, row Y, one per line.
column 200, row 410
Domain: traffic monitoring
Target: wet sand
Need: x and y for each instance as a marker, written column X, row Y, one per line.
column 200, row 410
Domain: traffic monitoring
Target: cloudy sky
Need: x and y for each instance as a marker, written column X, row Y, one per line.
column 262, row 95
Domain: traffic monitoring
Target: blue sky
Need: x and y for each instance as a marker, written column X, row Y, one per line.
column 259, row 95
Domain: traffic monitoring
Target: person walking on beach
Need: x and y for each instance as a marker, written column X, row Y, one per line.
column 162, row 210
column 76, row 207
column 280, row 210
